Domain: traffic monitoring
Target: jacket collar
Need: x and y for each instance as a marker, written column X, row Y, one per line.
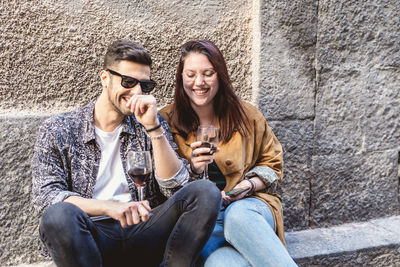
column 129, row 123
column 88, row 118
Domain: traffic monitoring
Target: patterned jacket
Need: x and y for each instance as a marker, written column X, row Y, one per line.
column 66, row 159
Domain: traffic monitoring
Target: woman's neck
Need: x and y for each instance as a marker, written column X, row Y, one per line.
column 206, row 115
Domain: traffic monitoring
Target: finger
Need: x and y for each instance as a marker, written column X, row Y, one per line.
column 226, row 197
column 203, row 151
column 203, row 159
column 146, row 204
column 129, row 101
column 196, row 144
column 128, row 216
column 240, row 196
column 122, row 221
column 135, row 214
column 143, row 106
column 200, row 152
column 226, row 200
column 133, row 101
column 143, row 212
column 200, row 165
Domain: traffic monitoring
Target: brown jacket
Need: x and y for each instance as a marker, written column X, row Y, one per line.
column 236, row 157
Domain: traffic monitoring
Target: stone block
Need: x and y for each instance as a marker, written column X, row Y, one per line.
column 348, row 188
column 19, row 241
column 354, row 115
column 358, row 94
column 53, row 50
column 296, row 138
column 287, row 54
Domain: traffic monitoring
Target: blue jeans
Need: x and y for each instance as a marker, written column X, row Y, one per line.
column 244, row 236
column 173, row 236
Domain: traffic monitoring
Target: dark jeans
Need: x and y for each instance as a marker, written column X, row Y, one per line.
column 173, row 236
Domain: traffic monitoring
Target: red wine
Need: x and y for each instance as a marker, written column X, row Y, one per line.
column 212, row 147
column 139, row 175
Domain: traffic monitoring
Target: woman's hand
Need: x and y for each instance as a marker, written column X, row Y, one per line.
column 200, row 157
column 226, row 200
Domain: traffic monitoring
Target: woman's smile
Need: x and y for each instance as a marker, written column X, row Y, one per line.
column 200, row 81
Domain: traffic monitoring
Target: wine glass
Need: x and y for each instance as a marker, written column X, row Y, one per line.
column 208, row 135
column 140, row 167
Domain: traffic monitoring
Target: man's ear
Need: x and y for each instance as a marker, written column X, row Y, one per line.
column 104, row 77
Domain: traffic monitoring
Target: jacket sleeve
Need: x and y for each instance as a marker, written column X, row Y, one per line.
column 49, row 178
column 271, row 154
column 269, row 163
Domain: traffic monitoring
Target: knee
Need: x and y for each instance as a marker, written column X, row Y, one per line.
column 216, row 259
column 237, row 217
column 205, row 191
column 226, row 256
column 59, row 217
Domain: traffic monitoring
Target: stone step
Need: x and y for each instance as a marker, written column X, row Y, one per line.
column 372, row 243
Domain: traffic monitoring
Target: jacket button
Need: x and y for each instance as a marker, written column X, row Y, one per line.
column 228, row 162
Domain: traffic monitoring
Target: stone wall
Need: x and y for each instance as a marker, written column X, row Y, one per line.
column 329, row 82
column 51, row 53
column 326, row 74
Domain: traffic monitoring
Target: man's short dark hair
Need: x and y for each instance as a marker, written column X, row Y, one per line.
column 126, row 50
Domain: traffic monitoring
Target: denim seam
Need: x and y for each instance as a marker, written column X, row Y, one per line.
column 107, row 235
column 173, row 237
column 158, row 215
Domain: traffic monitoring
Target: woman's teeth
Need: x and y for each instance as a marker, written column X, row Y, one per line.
column 201, row 91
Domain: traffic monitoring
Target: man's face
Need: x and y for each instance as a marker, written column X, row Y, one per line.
column 117, row 95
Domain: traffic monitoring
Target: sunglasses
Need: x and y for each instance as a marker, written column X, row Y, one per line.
column 129, row 82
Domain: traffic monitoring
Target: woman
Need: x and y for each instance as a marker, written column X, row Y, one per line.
column 249, row 230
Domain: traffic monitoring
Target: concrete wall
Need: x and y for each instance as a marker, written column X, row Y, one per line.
column 326, row 74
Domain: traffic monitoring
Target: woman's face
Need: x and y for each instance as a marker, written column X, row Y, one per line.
column 200, row 81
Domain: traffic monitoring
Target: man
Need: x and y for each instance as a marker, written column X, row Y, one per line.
column 79, row 169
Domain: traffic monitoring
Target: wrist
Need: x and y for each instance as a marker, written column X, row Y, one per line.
column 155, row 124
column 193, row 172
column 156, row 134
column 154, row 128
column 253, row 187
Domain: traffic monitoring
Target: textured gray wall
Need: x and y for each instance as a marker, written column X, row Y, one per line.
column 51, row 53
column 19, row 222
column 357, row 112
column 52, row 50
column 326, row 74
column 329, row 81
column 286, row 95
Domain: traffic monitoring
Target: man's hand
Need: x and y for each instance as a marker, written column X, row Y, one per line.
column 129, row 213
column 144, row 107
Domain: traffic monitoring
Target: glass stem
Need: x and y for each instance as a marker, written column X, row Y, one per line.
column 141, row 193
column 205, row 175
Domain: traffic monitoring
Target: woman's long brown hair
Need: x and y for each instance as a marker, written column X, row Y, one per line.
column 227, row 106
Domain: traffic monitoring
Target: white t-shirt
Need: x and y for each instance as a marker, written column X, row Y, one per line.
column 111, row 183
